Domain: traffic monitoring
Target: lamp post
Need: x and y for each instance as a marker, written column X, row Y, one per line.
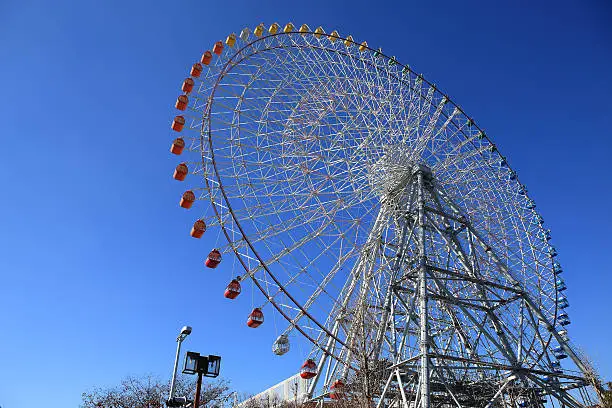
column 177, row 402
column 208, row 366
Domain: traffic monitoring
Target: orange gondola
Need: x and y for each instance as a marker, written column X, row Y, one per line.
column 188, row 85
column 178, row 123
column 196, row 70
column 206, row 58
column 177, row 146
column 181, row 102
column 187, row 199
column 180, row 172
column 198, row 229
column 218, row 47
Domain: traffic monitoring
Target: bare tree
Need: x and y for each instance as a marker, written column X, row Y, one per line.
column 150, row 392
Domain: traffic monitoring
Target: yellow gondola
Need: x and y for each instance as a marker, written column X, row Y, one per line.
column 231, row 39
column 334, row 36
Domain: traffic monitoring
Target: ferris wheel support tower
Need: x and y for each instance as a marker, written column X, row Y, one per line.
column 440, row 215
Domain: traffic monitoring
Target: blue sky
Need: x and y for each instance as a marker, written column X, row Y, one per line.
column 97, row 272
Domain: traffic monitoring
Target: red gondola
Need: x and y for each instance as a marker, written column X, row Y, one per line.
column 214, row 259
column 177, row 146
column 181, row 102
column 180, row 172
column 196, row 70
column 198, row 229
column 256, row 318
column 188, row 85
column 206, row 58
column 336, row 391
column 233, row 289
column 178, row 123
column 187, row 199
column 308, row 370
column 218, row 48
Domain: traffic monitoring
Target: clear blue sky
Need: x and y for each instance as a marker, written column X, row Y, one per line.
column 97, row 272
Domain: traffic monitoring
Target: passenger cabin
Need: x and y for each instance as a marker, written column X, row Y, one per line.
column 187, row 199
column 206, row 57
column 308, row 369
column 336, row 391
column 181, row 102
column 218, row 48
column 259, row 30
column 556, row 367
column 245, row 33
column 233, row 289
column 559, row 353
column 281, row 345
column 213, row 259
column 180, row 172
column 198, row 229
column 178, row 123
column 196, row 70
column 256, row 318
column 561, row 286
column 563, row 319
column 231, row 39
column 288, row 28
column 177, row 146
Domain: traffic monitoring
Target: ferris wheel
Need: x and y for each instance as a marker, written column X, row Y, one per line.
column 378, row 220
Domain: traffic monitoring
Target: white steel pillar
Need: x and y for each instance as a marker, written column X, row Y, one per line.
column 424, row 332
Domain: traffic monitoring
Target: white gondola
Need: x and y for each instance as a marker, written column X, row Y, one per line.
column 281, row 345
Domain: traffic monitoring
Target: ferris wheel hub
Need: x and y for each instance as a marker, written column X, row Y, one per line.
column 392, row 171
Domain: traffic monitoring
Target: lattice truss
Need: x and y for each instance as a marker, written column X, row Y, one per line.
column 306, row 146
